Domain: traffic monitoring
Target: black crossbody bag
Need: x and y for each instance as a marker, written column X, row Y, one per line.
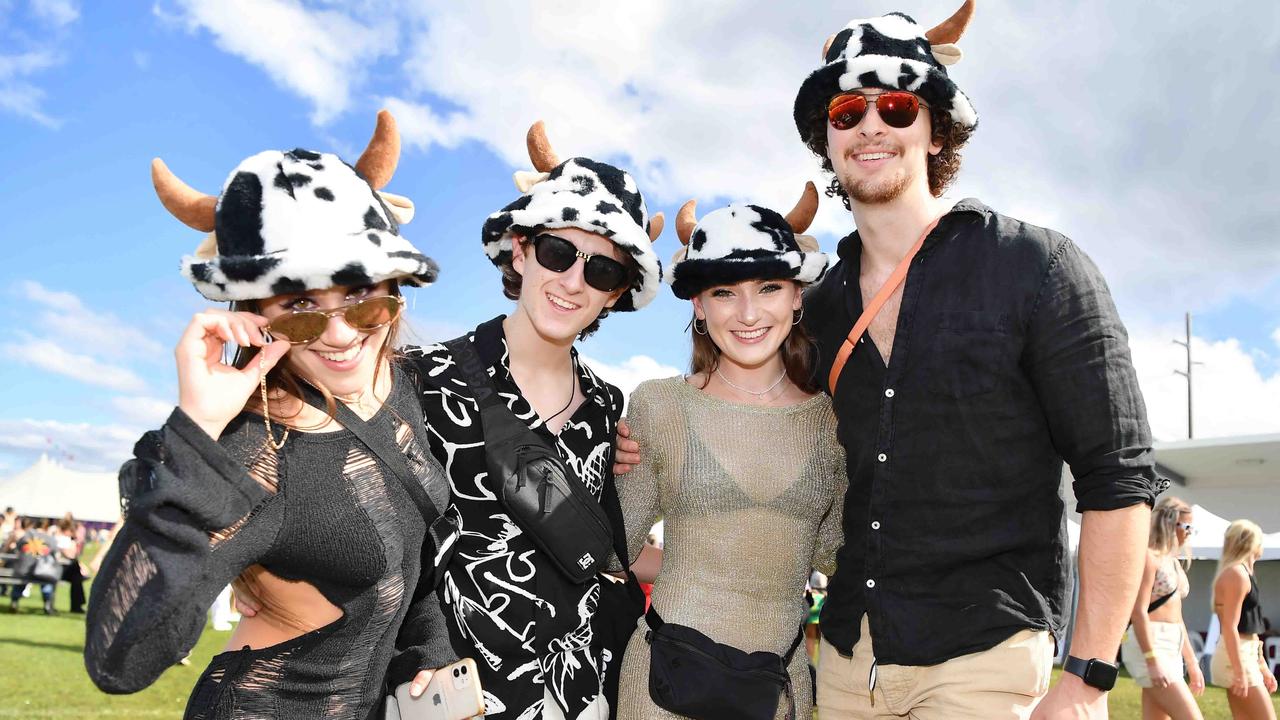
column 692, row 675
column 533, row 484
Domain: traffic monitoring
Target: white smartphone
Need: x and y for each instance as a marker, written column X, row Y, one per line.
column 453, row 694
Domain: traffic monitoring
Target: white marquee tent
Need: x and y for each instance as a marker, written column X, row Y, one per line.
column 48, row 489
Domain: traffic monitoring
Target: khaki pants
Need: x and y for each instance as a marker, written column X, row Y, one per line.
column 1006, row 681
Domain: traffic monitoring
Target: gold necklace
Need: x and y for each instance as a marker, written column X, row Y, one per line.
column 266, row 412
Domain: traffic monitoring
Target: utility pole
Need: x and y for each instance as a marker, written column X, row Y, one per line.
column 1187, row 375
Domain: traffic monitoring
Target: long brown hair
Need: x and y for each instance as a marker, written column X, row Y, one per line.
column 797, row 356
column 283, row 379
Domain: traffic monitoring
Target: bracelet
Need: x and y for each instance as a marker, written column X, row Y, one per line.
column 1150, row 654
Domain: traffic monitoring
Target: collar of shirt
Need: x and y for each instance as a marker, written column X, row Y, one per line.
column 491, row 346
column 850, row 247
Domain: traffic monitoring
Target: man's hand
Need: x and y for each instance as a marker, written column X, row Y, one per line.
column 245, row 602
column 1071, row 699
column 627, row 451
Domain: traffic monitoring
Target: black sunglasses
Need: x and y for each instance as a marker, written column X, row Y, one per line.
column 600, row 271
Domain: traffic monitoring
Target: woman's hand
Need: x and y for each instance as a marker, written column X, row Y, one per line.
column 1195, row 679
column 1268, row 680
column 419, row 684
column 1156, row 673
column 1239, row 684
column 210, row 392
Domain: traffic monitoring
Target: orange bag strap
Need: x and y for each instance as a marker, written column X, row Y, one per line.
column 873, row 308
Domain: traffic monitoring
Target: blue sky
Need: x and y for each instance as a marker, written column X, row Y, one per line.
column 1153, row 150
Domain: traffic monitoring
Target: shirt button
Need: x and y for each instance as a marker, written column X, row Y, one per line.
column 882, row 457
column 875, row 524
column 871, row 583
column 889, row 393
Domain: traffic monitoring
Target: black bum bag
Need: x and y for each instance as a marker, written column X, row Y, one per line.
column 533, row 484
column 692, row 675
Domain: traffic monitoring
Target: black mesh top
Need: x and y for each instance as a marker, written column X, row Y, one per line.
column 324, row 510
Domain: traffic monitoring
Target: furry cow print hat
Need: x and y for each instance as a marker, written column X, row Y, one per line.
column 894, row 53
column 584, row 194
column 746, row 242
column 294, row 221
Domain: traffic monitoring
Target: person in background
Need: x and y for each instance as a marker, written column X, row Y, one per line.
column 1156, row 645
column 70, row 548
column 32, row 538
column 1238, row 664
column 7, row 522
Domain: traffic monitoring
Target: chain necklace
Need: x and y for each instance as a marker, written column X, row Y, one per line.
column 765, row 391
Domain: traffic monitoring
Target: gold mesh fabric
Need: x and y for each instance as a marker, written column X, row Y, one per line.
column 751, row 500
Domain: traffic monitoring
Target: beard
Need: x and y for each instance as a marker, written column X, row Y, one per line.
column 877, row 191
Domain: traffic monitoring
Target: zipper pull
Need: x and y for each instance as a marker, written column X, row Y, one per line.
column 542, row 491
column 871, row 681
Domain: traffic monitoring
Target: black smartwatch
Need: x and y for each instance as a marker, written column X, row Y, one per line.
column 1095, row 673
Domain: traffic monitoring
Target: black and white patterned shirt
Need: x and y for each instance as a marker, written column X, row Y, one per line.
column 526, row 625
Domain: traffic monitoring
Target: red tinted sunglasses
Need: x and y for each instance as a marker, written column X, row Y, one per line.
column 897, row 109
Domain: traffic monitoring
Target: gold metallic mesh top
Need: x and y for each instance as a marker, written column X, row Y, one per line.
column 751, row 499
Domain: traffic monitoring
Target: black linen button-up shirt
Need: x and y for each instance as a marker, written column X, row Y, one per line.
column 1008, row 359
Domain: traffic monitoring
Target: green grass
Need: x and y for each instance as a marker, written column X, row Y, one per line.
column 42, row 673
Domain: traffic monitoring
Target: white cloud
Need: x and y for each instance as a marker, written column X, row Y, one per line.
column 19, row 96
column 64, row 316
column 1232, row 396
column 630, row 372
column 38, row 46
column 318, row 54
column 51, row 357
column 82, row 445
column 58, row 13
column 142, row 410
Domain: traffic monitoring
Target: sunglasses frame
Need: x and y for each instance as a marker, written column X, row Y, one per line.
column 333, row 312
column 874, row 99
column 587, row 258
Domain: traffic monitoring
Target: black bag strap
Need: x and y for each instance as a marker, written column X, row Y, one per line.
column 655, row 622
column 384, row 448
column 1160, row 601
column 477, row 378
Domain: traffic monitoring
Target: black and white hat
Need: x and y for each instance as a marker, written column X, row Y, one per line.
column 894, row 53
column 746, row 242
column 299, row 220
column 585, row 194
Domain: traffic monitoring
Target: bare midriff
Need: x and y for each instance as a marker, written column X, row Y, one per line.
column 287, row 609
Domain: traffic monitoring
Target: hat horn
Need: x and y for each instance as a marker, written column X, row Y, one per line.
column 194, row 208
column 950, row 30
column 540, row 152
column 801, row 216
column 826, row 47
column 686, row 221
column 655, row 226
column 378, row 162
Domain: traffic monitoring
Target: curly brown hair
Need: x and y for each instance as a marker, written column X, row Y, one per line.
column 512, row 281
column 942, row 168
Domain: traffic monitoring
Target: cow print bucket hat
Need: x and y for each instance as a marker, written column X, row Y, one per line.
column 584, row 194
column 746, row 242
column 890, row 52
column 299, row 220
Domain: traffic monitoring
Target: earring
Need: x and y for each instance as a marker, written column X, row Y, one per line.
column 799, row 315
column 703, row 331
